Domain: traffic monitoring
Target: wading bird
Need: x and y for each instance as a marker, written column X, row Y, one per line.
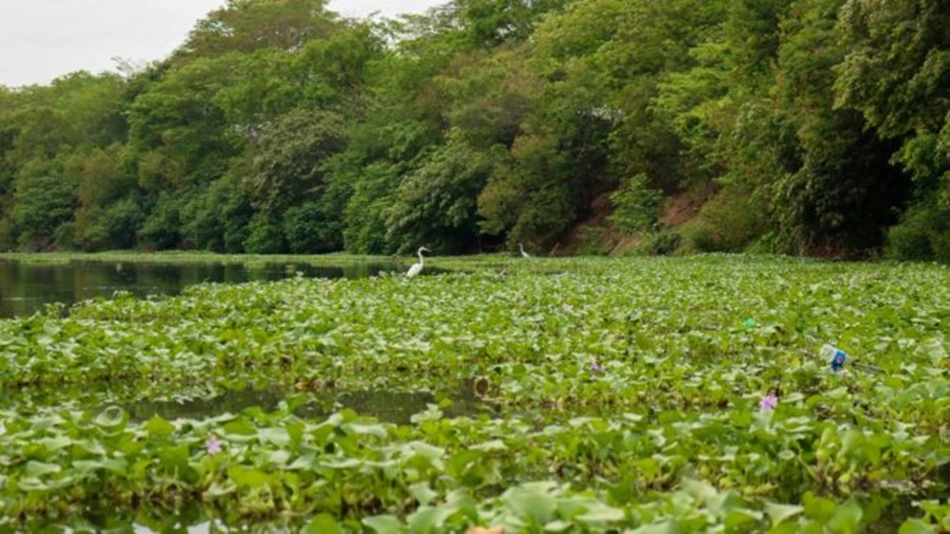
column 523, row 253
column 417, row 267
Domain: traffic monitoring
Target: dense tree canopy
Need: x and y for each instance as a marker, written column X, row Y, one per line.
column 817, row 127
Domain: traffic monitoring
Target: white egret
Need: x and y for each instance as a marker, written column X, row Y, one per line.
column 523, row 253
column 417, row 267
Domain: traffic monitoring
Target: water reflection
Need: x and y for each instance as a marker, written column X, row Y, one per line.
column 27, row 287
column 388, row 406
column 209, row 400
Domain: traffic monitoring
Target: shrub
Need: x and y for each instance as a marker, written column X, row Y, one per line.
column 659, row 244
column 162, row 228
column 733, row 219
column 923, row 234
column 593, row 241
column 264, row 236
column 636, row 206
column 698, row 237
column 308, row 230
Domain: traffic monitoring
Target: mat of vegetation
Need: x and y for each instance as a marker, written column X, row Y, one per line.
column 650, row 395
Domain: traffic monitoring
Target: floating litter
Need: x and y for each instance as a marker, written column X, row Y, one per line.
column 837, row 358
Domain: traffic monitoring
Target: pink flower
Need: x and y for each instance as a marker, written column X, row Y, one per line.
column 768, row 403
column 596, row 367
column 213, row 445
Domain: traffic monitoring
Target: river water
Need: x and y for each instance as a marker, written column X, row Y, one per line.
column 27, row 287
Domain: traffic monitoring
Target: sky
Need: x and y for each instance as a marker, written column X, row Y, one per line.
column 43, row 39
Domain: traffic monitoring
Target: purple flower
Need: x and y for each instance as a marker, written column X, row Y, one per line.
column 768, row 403
column 213, row 445
column 596, row 367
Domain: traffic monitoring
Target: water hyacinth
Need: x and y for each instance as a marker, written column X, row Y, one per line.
column 479, row 382
column 213, row 446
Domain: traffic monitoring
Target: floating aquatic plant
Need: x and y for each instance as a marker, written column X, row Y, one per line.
column 668, row 438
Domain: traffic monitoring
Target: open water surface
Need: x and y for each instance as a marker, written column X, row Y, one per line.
column 27, row 287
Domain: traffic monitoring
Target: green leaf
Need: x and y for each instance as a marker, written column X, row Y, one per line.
column 423, row 493
column 665, row 527
column 174, row 458
column 778, row 513
column 111, row 416
column 115, row 465
column 274, row 436
column 157, row 426
column 245, row 476
column 846, row 518
column 376, row 430
column 429, row 452
column 384, row 524
column 916, row 526
column 280, row 457
column 426, row 519
column 601, row 514
column 493, row 445
column 558, row 526
column 532, row 502
column 40, row 469
column 218, row 489
column 818, row 508
column 55, row 443
column 240, row 427
column 322, row 524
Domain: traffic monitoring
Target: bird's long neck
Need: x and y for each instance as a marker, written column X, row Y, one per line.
column 422, row 260
column 521, row 247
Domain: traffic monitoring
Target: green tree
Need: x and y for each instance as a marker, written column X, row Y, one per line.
column 249, row 25
column 436, row 203
column 43, row 204
column 290, row 158
column 843, row 197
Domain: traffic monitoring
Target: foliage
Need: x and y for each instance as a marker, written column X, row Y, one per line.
column 436, row 204
column 594, row 241
column 895, row 72
column 265, row 235
column 289, row 157
column 662, row 243
column 924, row 234
column 249, row 25
column 44, row 202
column 636, row 206
column 309, row 229
column 161, row 230
column 281, row 125
column 733, row 219
column 667, row 429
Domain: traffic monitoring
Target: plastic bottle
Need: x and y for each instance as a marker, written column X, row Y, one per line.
column 834, row 356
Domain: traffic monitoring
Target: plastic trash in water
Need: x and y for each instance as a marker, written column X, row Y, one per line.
column 834, row 356
column 837, row 358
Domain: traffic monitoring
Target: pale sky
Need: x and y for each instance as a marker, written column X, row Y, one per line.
column 43, row 39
